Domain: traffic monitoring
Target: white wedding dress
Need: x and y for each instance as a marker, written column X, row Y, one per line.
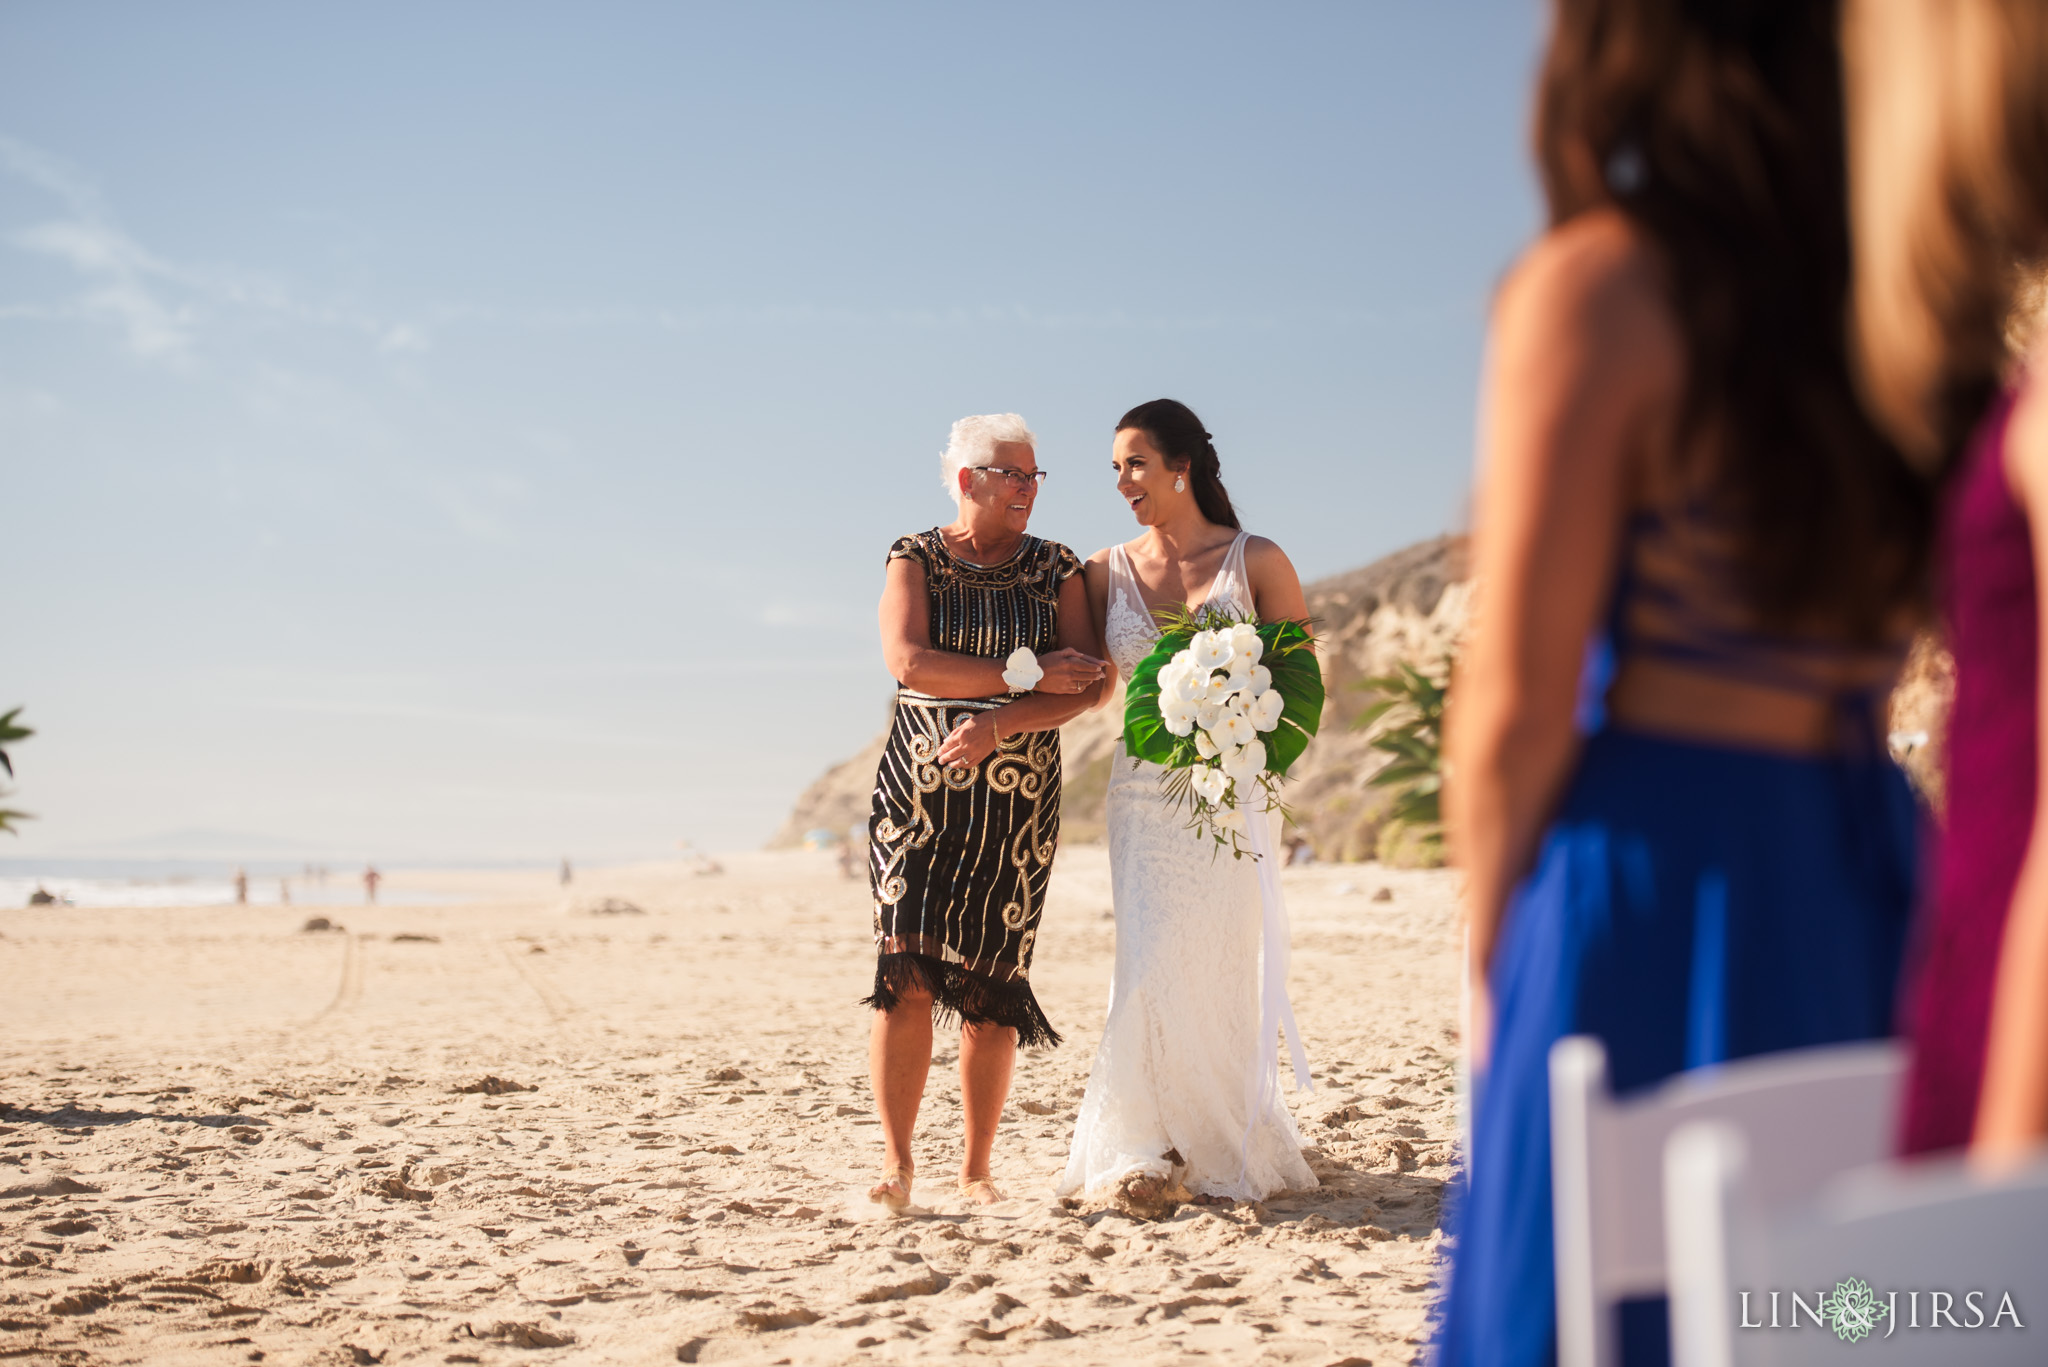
column 1178, row 1075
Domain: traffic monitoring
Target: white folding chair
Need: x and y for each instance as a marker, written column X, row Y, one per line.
column 1907, row 1232
column 1823, row 1110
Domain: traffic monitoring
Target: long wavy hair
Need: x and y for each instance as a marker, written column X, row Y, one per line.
column 1188, row 449
column 1716, row 126
column 1948, row 105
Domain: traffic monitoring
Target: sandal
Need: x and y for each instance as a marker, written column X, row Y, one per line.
column 981, row 1191
column 886, row 1193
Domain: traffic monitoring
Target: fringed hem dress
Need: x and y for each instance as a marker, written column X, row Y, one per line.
column 959, row 858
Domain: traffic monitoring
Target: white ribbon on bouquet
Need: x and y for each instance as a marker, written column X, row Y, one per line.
column 1276, row 1012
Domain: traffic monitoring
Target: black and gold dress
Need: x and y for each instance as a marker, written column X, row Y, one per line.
column 959, row 858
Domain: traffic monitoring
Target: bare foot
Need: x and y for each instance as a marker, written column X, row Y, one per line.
column 893, row 1190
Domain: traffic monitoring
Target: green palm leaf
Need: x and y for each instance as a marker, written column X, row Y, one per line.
column 11, row 731
column 1406, row 716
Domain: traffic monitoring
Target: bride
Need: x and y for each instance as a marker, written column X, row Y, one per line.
column 1183, row 1098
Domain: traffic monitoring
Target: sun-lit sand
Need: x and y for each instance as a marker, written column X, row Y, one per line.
column 224, row 1139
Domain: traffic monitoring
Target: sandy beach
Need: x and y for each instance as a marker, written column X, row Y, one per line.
column 628, row 1122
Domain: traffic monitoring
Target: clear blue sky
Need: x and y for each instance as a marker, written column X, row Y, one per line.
column 474, row 430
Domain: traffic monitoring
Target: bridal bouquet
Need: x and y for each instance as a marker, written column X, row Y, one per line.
column 1227, row 706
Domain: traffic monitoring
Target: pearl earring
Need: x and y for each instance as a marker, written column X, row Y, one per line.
column 1179, row 485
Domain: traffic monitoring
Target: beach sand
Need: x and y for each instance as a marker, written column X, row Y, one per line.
column 225, row 1140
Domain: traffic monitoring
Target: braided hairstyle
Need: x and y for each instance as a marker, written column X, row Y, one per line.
column 1189, row 449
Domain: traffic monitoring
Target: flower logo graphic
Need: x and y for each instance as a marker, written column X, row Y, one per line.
column 1853, row 1311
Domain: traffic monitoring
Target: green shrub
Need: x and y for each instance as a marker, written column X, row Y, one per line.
column 1408, row 711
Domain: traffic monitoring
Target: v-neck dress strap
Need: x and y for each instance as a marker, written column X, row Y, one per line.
column 1128, row 629
column 1232, row 590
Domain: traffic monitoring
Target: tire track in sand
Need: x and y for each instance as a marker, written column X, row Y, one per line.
column 350, row 990
column 558, row 1005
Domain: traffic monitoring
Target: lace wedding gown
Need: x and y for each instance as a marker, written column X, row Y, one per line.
column 1172, row 1089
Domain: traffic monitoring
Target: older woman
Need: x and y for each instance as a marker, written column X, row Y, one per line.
column 982, row 627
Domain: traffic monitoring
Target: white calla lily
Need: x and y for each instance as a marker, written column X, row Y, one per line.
column 1262, row 680
column 1179, row 715
column 1245, row 643
column 1239, row 728
column 1209, row 715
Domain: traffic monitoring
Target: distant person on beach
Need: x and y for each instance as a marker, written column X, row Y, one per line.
column 371, row 878
column 1698, row 849
column 565, row 871
column 1948, row 105
column 241, row 887
column 972, row 765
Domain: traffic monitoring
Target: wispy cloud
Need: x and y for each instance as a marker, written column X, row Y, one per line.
column 158, row 305
column 122, row 279
column 403, row 337
column 162, row 307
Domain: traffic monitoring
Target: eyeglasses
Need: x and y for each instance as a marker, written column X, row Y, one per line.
column 1019, row 479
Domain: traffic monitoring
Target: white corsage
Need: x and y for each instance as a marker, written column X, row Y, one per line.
column 1021, row 671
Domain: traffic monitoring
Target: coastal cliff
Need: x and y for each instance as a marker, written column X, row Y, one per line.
column 1410, row 607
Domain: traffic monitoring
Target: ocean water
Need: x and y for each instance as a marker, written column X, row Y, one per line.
column 192, row 883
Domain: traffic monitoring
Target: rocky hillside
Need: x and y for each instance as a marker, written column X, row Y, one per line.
column 1411, row 606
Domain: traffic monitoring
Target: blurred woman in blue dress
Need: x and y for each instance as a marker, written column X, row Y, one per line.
column 1688, row 839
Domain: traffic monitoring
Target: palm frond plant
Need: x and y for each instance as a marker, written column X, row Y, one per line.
column 10, row 730
column 1409, row 714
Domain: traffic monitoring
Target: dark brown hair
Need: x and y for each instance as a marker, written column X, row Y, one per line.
column 1188, row 449
column 1716, row 126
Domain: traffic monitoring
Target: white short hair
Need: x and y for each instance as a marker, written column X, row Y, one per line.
column 974, row 443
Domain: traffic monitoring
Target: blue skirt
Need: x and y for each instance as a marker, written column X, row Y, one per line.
column 1691, row 904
